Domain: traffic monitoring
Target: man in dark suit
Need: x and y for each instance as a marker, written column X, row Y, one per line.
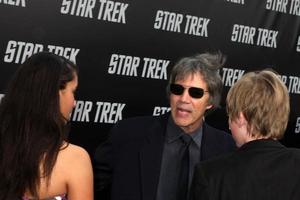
column 153, row 158
column 262, row 168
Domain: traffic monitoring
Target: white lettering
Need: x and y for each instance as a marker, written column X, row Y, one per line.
column 112, row 11
column 246, row 34
column 160, row 110
column 243, row 34
column 298, row 45
column 297, row 129
column 196, row 26
column 18, row 51
column 295, row 7
column 14, row 2
column 168, row 21
column 109, row 112
column 277, row 5
column 155, row 69
column 230, row 76
column 67, row 52
column 81, row 111
column 294, row 84
column 82, row 8
column 123, row 65
column 1, row 96
column 237, row 1
column 267, row 38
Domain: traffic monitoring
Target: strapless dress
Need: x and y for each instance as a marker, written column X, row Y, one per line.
column 60, row 197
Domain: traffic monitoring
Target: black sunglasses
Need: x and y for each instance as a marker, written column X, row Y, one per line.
column 194, row 92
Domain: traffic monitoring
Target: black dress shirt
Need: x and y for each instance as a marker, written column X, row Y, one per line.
column 170, row 166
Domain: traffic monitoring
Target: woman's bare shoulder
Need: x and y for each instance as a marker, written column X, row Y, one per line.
column 78, row 171
column 73, row 154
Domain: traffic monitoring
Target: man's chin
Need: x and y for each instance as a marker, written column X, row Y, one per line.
column 182, row 124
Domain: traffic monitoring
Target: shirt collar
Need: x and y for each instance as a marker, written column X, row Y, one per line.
column 174, row 132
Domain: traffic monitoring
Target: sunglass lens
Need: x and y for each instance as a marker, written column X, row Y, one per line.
column 176, row 89
column 196, row 92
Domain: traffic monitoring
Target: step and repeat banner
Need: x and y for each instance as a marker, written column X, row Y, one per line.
column 126, row 49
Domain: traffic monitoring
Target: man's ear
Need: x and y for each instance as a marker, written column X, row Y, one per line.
column 209, row 107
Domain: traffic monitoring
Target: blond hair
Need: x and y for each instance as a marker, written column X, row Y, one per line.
column 264, row 101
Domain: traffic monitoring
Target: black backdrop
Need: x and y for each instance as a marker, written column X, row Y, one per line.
column 126, row 49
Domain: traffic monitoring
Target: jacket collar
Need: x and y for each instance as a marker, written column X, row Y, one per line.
column 261, row 143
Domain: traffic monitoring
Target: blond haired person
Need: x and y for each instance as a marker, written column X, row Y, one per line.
column 261, row 169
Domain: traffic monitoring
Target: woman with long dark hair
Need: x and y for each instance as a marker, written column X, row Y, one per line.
column 36, row 161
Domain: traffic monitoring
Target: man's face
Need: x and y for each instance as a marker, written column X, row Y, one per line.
column 188, row 112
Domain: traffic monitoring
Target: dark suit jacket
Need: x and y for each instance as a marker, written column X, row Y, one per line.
column 130, row 160
column 259, row 170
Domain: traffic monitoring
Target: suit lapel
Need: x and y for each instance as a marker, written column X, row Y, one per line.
column 150, row 158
